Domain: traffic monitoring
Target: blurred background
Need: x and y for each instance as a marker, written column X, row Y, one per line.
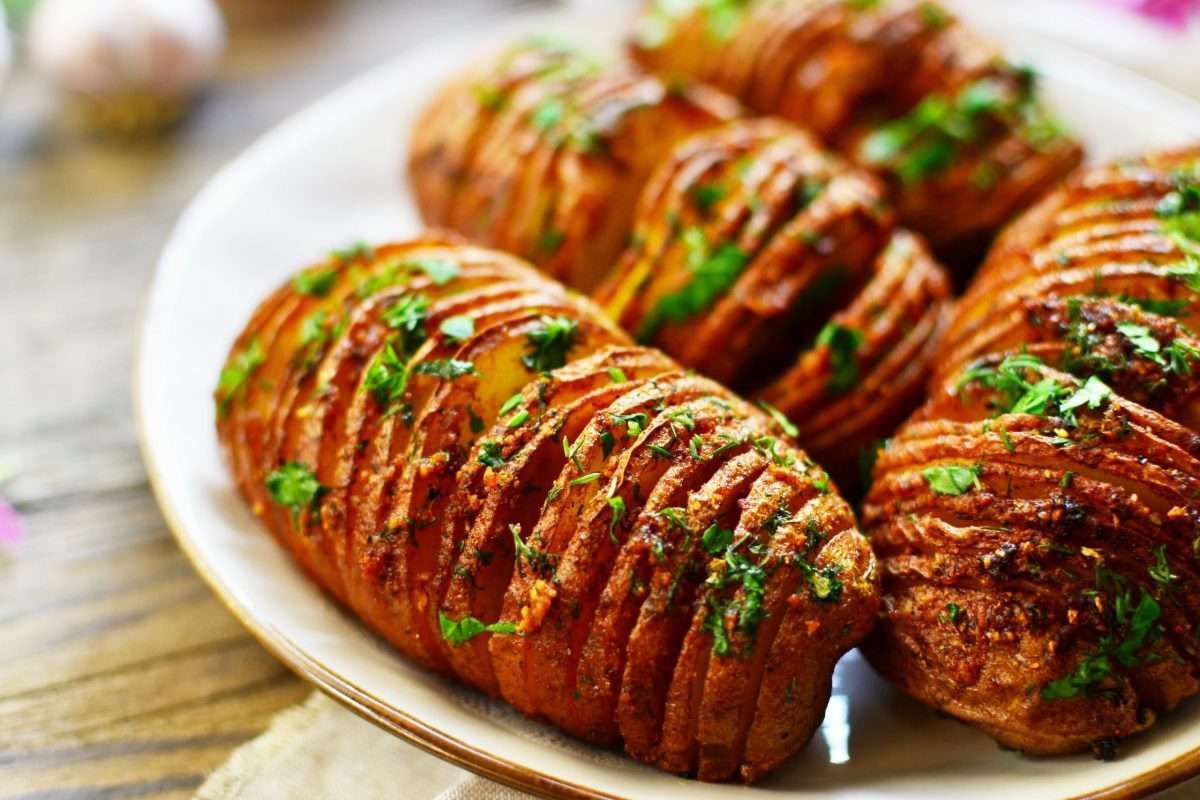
column 120, row 673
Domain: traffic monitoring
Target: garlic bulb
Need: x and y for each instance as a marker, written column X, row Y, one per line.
column 5, row 48
column 136, row 61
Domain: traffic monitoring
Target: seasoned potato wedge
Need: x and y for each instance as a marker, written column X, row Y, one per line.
column 899, row 86
column 486, row 470
column 1036, row 519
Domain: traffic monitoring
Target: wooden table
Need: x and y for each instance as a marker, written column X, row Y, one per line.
column 120, row 673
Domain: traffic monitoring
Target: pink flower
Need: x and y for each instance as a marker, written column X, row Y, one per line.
column 1171, row 13
column 12, row 528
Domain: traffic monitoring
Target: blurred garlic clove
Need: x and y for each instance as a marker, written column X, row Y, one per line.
column 6, row 54
column 130, row 64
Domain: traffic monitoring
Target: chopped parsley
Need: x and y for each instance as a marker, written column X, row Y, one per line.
column 843, row 344
column 490, row 454
column 706, row 195
column 660, row 451
column 747, row 578
column 928, row 139
column 313, row 335
column 1179, row 210
column 459, row 632
column 1160, row 571
column 617, row 506
column 407, row 317
column 538, row 560
column 296, row 487
column 387, row 377
column 952, row 614
column 715, row 539
column 316, row 282
column 1092, row 394
column 1045, row 398
column 445, row 368
column 550, row 343
column 675, row 516
column 440, row 270
column 1162, row 307
column 1143, row 341
column 458, row 329
column 547, row 113
column 713, row 272
column 616, row 375
column 784, row 423
column 510, row 404
column 358, row 250
column 1139, row 625
column 634, row 423
column 489, row 96
column 822, row 582
column 952, row 479
column 549, row 241
column 237, row 371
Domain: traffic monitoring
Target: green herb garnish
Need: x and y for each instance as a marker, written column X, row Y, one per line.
column 458, row 329
column 459, row 632
column 952, row 479
column 712, row 274
column 316, row 282
column 295, row 486
column 490, row 454
column 237, row 371
column 445, row 368
column 843, row 344
column 550, row 343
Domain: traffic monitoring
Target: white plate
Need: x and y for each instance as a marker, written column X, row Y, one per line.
column 332, row 175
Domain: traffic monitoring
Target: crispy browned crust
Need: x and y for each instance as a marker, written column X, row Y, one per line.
column 818, row 246
column 441, row 479
column 1053, row 599
column 542, row 153
column 846, row 70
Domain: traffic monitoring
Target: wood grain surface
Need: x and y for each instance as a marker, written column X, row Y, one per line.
column 120, row 673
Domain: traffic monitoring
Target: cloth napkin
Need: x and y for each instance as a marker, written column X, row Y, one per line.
column 319, row 751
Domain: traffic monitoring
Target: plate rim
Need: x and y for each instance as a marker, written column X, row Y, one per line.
column 362, row 702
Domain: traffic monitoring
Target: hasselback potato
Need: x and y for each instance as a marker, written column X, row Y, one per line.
column 496, row 480
column 753, row 256
column 900, row 86
column 1037, row 520
column 773, row 266
column 541, row 153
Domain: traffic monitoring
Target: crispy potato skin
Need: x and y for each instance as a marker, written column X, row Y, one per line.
column 541, row 153
column 867, row 79
column 1041, row 568
column 485, row 469
column 730, row 245
column 820, row 305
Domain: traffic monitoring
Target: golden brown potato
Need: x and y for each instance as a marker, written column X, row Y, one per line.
column 899, row 86
column 489, row 474
column 542, row 153
column 1036, row 519
column 764, row 262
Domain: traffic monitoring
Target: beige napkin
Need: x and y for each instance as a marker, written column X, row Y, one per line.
column 318, row 750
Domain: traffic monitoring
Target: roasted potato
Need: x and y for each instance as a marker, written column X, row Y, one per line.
column 1036, row 519
column 771, row 265
column 899, row 86
column 488, row 472
column 542, row 153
